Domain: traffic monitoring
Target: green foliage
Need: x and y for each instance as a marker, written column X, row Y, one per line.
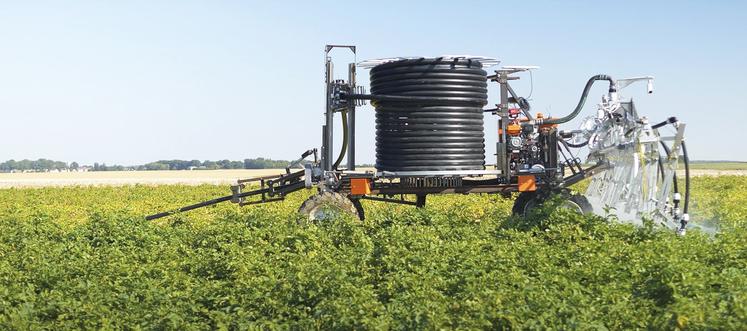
column 32, row 165
column 258, row 163
column 262, row 163
column 84, row 258
column 103, row 167
column 41, row 165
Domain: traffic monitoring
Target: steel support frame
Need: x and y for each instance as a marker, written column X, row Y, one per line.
column 328, row 155
column 501, row 146
column 351, row 119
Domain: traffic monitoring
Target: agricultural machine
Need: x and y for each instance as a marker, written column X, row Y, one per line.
column 430, row 140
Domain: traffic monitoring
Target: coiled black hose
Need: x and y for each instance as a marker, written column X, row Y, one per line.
column 429, row 116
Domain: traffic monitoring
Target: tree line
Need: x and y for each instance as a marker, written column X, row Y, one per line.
column 42, row 165
column 33, row 165
column 258, row 163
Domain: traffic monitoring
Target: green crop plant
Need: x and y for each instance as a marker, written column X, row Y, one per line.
column 84, row 258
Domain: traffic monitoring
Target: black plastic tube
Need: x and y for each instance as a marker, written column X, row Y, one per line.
column 687, row 178
column 674, row 178
column 577, row 145
column 345, row 133
column 582, row 101
column 429, row 114
column 663, row 123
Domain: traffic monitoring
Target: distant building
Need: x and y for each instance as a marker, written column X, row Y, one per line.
column 83, row 169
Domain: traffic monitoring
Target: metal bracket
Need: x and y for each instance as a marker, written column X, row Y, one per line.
column 335, row 91
column 396, row 174
column 401, row 200
column 235, row 192
column 328, row 48
column 339, row 89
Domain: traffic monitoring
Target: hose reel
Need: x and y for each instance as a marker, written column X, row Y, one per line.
column 429, row 114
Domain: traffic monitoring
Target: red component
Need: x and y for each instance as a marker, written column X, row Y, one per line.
column 514, row 112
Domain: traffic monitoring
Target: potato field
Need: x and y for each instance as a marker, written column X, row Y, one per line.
column 85, row 258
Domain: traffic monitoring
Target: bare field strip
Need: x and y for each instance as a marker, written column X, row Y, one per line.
column 118, row 178
column 715, row 172
column 185, row 177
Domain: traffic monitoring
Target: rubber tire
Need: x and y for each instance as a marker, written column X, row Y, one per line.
column 525, row 198
column 521, row 201
column 335, row 200
column 583, row 203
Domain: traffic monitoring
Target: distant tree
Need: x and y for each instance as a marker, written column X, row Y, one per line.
column 156, row 166
column 46, row 165
column 262, row 163
column 24, row 165
column 34, row 165
column 8, row 165
column 59, row 165
column 237, row 165
column 210, row 164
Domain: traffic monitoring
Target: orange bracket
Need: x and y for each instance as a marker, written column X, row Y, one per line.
column 527, row 183
column 360, row 186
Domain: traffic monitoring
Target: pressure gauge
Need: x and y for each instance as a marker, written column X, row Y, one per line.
column 515, row 142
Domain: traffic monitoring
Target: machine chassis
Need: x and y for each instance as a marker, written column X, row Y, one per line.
column 327, row 175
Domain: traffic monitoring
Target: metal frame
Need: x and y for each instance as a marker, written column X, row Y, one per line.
column 344, row 96
column 332, row 87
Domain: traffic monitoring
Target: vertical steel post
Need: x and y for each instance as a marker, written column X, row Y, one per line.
column 501, row 150
column 328, row 157
column 327, row 150
column 351, row 119
column 323, row 159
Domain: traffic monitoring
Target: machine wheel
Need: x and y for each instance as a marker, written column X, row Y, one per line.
column 327, row 205
column 579, row 203
column 529, row 200
column 521, row 202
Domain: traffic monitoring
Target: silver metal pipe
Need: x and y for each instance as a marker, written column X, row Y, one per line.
column 327, row 150
column 351, row 120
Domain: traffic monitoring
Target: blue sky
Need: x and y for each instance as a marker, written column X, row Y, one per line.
column 135, row 81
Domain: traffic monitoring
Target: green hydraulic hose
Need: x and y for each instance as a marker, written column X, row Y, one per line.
column 582, row 101
column 344, row 148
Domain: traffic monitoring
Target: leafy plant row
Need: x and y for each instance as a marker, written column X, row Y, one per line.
column 84, row 258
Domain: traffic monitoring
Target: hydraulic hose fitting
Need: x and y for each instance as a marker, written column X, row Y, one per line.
column 683, row 224
column 584, row 95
